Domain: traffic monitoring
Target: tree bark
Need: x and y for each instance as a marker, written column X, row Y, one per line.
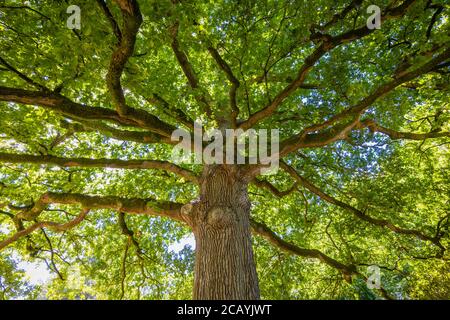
column 224, row 263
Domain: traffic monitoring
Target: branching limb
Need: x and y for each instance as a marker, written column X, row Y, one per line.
column 52, row 256
column 123, row 270
column 374, row 127
column 111, row 19
column 99, row 163
column 79, row 112
column 188, row 70
column 61, row 105
column 125, row 135
column 54, row 226
column 22, row 76
column 274, row 190
column 439, row 9
column 223, row 65
column 127, row 205
column 358, row 213
column 175, row 113
column 124, row 114
column 287, row 91
column 128, row 232
column 344, row 122
column 132, row 20
column 348, row 271
column 327, row 44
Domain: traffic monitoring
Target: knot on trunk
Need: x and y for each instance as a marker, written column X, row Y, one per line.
column 220, row 217
column 187, row 209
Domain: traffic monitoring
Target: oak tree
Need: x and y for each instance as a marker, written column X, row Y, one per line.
column 88, row 184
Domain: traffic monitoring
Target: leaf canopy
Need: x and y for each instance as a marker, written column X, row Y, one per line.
column 364, row 120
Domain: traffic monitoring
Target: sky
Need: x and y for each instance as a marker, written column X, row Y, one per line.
column 37, row 272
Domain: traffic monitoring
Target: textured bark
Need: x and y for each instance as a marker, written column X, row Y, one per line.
column 224, row 264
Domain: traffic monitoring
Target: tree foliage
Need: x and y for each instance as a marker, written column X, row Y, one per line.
column 87, row 182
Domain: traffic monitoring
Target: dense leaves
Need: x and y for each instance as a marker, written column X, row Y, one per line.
column 265, row 44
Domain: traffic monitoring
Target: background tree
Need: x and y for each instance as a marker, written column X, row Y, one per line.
column 87, row 182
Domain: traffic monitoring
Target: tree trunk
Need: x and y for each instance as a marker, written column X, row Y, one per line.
column 224, row 264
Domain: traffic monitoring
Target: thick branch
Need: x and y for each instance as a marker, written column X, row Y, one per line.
column 288, row 90
column 384, row 223
column 99, row 163
column 132, row 20
column 111, row 19
column 62, row 105
column 129, row 233
column 355, row 4
column 127, row 205
column 183, row 59
column 123, row 205
column 126, row 135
